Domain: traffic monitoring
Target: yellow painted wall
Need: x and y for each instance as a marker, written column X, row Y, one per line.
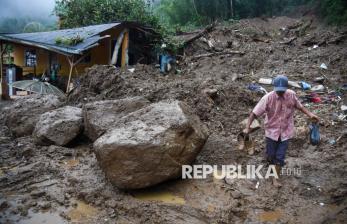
column 99, row 55
column 41, row 55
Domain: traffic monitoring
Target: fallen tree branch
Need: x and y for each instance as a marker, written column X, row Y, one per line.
column 337, row 39
column 208, row 29
column 289, row 41
column 218, row 53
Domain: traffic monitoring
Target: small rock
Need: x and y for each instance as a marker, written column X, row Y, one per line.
column 111, row 203
column 37, row 194
column 65, row 216
column 45, row 205
column 236, row 194
column 4, row 205
column 32, row 203
column 22, row 210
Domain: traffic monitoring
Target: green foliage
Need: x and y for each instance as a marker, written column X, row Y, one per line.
column 334, row 11
column 69, row 41
column 77, row 13
column 203, row 12
column 177, row 12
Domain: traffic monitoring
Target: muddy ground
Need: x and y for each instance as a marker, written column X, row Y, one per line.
column 51, row 184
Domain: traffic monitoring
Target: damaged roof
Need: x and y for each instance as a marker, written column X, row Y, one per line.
column 47, row 40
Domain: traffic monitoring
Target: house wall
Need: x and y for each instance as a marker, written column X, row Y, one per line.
column 100, row 54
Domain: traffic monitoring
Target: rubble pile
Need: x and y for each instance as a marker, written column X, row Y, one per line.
column 134, row 128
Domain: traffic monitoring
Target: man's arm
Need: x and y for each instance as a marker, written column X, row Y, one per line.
column 300, row 107
column 308, row 113
column 258, row 111
column 251, row 118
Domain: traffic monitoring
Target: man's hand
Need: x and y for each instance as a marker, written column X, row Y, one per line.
column 251, row 118
column 309, row 114
column 247, row 130
column 314, row 117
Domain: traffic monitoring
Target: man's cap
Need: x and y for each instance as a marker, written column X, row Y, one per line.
column 280, row 83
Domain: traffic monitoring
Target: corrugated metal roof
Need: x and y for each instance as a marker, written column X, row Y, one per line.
column 47, row 40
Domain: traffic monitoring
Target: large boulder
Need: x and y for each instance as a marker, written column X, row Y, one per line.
column 99, row 116
column 21, row 115
column 59, row 126
column 150, row 145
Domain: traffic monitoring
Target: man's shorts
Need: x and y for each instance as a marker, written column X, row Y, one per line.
column 276, row 151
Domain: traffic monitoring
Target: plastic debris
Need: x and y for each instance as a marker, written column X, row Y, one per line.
column 314, row 133
column 131, row 70
column 257, row 185
column 317, row 88
column 294, row 84
column 321, row 204
column 323, row 66
column 344, row 108
column 166, row 62
column 266, row 81
column 314, row 98
column 320, row 79
column 315, row 46
column 305, row 85
column 256, row 88
column 332, row 141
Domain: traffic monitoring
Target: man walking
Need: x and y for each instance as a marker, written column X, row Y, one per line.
column 278, row 106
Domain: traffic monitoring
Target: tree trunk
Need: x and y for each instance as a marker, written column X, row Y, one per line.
column 230, row 7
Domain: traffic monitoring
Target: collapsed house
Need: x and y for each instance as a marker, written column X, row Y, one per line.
column 69, row 52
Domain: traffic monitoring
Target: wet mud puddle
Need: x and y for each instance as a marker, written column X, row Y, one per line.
column 158, row 195
column 80, row 212
column 270, row 216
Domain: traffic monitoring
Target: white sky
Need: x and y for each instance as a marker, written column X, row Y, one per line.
column 32, row 8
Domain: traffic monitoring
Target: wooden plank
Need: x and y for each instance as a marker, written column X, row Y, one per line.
column 116, row 47
column 70, row 60
column 125, row 46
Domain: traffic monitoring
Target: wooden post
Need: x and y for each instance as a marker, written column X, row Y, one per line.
column 70, row 60
column 73, row 63
column 232, row 9
column 125, row 45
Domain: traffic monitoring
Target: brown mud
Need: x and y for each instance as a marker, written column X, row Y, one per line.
column 51, row 184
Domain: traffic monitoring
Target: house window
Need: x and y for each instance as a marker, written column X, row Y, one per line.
column 30, row 58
